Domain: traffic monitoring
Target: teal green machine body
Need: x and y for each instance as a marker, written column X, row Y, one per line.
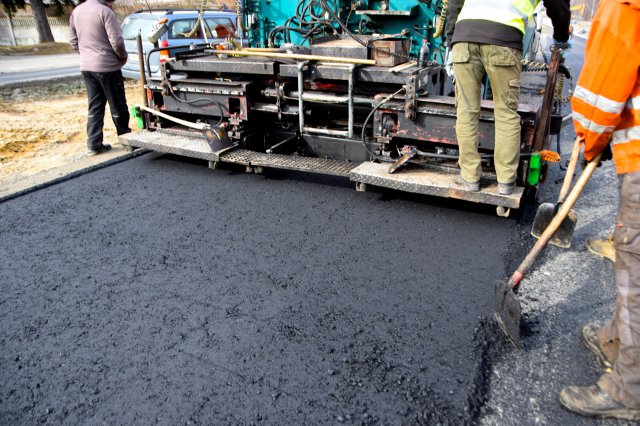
column 269, row 23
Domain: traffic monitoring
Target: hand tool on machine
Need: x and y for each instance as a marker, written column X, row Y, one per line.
column 547, row 211
column 215, row 136
column 320, row 58
column 507, row 310
column 409, row 152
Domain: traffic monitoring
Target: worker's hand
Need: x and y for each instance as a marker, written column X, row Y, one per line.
column 606, row 156
column 564, row 46
column 448, row 63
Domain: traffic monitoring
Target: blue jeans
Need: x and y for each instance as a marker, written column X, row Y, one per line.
column 103, row 87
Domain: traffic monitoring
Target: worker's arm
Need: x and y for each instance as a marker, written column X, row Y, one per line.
column 604, row 86
column 560, row 13
column 114, row 32
column 452, row 16
column 73, row 36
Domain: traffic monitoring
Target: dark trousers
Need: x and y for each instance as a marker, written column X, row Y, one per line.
column 103, row 87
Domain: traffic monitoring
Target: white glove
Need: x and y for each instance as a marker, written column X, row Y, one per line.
column 448, row 63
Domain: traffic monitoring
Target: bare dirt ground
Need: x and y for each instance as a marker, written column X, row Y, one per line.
column 43, row 127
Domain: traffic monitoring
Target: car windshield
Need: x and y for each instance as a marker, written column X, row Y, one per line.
column 221, row 27
column 132, row 25
column 214, row 27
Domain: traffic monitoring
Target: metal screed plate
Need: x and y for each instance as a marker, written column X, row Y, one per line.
column 417, row 180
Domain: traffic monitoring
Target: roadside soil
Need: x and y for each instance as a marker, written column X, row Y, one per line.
column 43, row 127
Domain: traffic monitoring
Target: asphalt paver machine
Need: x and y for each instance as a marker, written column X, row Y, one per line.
column 349, row 88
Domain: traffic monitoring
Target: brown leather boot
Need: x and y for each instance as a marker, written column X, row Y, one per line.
column 591, row 341
column 602, row 248
column 592, row 401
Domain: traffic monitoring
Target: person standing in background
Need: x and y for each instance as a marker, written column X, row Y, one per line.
column 96, row 34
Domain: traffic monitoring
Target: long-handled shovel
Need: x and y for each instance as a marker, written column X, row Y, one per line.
column 506, row 306
column 546, row 211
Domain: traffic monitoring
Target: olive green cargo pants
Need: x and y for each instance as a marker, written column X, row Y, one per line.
column 502, row 64
column 620, row 337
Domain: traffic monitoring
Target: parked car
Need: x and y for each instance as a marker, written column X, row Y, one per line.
column 218, row 25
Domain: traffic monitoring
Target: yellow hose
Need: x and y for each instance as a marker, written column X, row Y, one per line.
column 560, row 89
column 443, row 15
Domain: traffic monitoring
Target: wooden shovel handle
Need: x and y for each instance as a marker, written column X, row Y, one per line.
column 566, row 207
column 571, row 169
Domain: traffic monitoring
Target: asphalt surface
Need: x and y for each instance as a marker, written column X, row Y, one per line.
column 158, row 291
column 19, row 69
column 38, row 75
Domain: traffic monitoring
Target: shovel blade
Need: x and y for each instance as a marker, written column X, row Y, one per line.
column 404, row 159
column 507, row 312
column 564, row 234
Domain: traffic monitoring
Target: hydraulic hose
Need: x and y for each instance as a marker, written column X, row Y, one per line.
column 443, row 16
column 366, row 121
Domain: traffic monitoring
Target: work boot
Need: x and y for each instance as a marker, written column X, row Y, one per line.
column 591, row 341
column 506, row 188
column 470, row 186
column 103, row 148
column 602, row 248
column 592, row 401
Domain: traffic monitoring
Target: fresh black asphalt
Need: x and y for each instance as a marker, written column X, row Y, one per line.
column 157, row 290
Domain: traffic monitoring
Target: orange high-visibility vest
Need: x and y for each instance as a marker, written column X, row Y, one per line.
column 606, row 101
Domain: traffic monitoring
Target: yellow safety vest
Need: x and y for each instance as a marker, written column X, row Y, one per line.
column 508, row 12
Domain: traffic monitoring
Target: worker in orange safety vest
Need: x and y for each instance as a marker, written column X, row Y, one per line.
column 606, row 112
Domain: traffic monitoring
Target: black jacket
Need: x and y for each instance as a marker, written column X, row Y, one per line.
column 488, row 32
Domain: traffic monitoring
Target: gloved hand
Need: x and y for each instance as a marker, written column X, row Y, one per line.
column 606, row 156
column 448, row 63
column 564, row 46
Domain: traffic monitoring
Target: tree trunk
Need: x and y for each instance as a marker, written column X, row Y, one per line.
column 42, row 24
column 13, row 34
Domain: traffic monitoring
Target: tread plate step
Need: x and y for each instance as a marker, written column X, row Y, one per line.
column 192, row 144
column 434, row 182
column 420, row 181
column 289, row 162
column 187, row 144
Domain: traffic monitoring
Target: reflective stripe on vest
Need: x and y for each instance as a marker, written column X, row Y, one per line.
column 599, row 101
column 634, row 103
column 591, row 126
column 513, row 13
column 626, row 135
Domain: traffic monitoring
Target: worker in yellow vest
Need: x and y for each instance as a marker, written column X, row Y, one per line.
column 486, row 36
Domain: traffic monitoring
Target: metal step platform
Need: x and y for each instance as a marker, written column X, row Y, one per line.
column 191, row 144
column 187, row 144
column 289, row 162
column 434, row 182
